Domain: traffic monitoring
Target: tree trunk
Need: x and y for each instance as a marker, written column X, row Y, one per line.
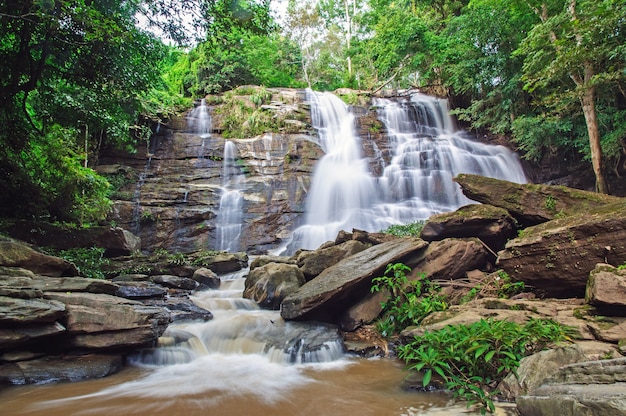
column 589, row 110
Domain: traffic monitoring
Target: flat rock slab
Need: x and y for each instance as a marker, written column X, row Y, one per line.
column 338, row 287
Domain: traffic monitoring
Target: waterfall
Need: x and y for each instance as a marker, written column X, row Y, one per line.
column 199, row 120
column 230, row 211
column 427, row 153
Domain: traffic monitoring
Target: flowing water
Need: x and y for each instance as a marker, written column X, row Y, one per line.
column 229, row 217
column 246, row 361
column 427, row 153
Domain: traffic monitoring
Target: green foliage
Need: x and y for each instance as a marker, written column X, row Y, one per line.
column 470, row 358
column 406, row 230
column 409, row 301
column 88, row 261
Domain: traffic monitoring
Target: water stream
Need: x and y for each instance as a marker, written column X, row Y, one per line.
column 246, row 361
column 229, row 216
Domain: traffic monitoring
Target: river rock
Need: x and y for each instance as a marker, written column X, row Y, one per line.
column 606, row 289
column 140, row 290
column 74, row 284
column 19, row 336
column 531, row 204
column 314, row 262
column 104, row 321
column 60, row 368
column 15, row 311
column 269, row 284
column 175, row 282
column 595, row 388
column 556, row 257
column 492, row 225
column 340, row 286
column 17, row 254
column 206, row 278
column 226, row 262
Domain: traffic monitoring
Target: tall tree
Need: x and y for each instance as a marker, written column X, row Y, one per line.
column 576, row 51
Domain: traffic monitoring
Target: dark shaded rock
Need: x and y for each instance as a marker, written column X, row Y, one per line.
column 182, row 309
column 175, row 282
column 226, row 262
column 531, row 204
column 13, row 336
column 116, row 241
column 269, row 284
column 372, row 238
column 314, row 262
column 333, row 291
column 132, row 277
column 60, row 368
column 16, row 254
column 555, row 258
column 140, row 290
column 492, row 225
column 206, row 278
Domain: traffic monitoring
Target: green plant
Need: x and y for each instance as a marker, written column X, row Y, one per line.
column 88, row 261
column 472, row 358
column 409, row 301
column 498, row 284
column 406, row 230
column 550, row 203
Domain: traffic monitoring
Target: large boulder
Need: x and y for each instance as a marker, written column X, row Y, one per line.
column 595, row 388
column 492, row 225
column 17, row 254
column 104, row 321
column 115, row 240
column 314, row 262
column 606, row 289
column 556, row 257
column 448, row 259
column 531, row 204
column 269, row 284
column 340, row 286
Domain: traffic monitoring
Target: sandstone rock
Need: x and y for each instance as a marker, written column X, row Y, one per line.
column 131, row 277
column 555, row 258
column 104, row 321
column 606, row 289
column 531, row 204
column 333, row 291
column 314, row 262
column 181, row 309
column 269, row 284
column 16, row 254
column 535, row 369
column 74, row 284
column 12, row 337
column 206, row 278
column 175, row 282
column 595, row 388
column 492, row 225
column 263, row 260
column 15, row 311
column 448, row 259
column 226, row 262
column 60, row 368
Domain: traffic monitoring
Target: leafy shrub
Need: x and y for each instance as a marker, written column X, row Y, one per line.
column 88, row 261
column 406, row 230
column 498, row 284
column 409, row 301
column 471, row 358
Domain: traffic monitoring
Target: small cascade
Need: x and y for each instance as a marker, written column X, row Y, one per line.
column 135, row 226
column 427, row 153
column 240, row 327
column 230, row 212
column 199, row 120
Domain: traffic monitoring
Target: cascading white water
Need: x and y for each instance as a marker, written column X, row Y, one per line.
column 199, row 120
column 230, row 212
column 417, row 182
